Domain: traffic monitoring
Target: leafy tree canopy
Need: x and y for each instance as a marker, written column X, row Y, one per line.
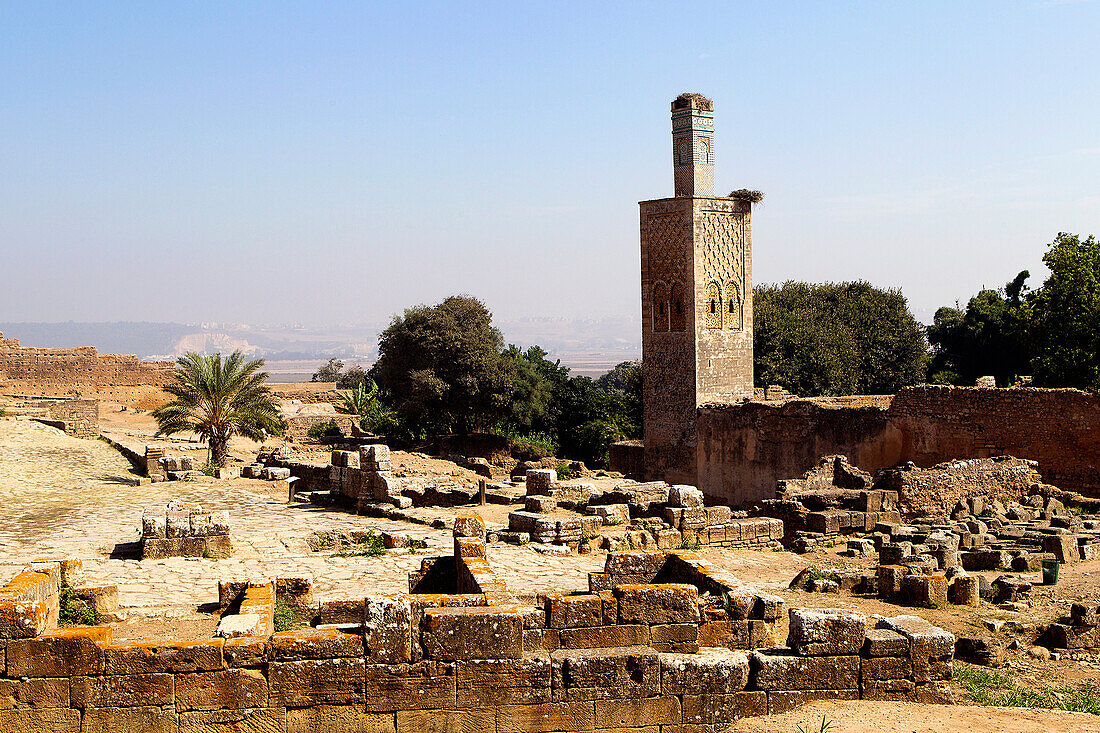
column 835, row 339
column 444, row 367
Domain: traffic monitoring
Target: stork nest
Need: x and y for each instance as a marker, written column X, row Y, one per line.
column 745, row 194
column 684, row 101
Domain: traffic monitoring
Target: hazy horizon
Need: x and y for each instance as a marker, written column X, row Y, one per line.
column 336, row 163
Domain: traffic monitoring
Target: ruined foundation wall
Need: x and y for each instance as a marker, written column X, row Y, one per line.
column 79, row 418
column 744, row 449
column 1059, row 428
column 641, row 655
column 61, row 372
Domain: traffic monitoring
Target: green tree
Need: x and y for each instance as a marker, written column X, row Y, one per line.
column 218, row 399
column 988, row 338
column 1065, row 315
column 444, row 368
column 836, row 338
column 330, row 372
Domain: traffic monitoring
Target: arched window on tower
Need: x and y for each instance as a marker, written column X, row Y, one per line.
column 676, row 307
column 660, row 307
column 712, row 306
column 735, row 307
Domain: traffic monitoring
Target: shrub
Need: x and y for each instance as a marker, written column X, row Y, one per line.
column 70, row 615
column 369, row 546
column 325, row 430
column 565, row 470
column 209, row 469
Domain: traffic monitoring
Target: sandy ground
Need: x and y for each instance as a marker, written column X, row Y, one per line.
column 887, row 717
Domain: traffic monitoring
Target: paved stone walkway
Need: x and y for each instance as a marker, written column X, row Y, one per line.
column 63, row 497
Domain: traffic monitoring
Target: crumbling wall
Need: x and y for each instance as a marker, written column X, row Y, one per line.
column 743, row 450
column 657, row 642
column 62, row 372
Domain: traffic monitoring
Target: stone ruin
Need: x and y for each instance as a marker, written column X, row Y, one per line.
column 836, row 499
column 660, row 639
column 656, row 515
column 183, row 529
column 927, row 564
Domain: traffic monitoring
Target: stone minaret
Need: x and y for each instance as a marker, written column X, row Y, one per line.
column 696, row 297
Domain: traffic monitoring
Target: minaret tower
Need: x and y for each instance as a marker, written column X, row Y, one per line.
column 696, row 297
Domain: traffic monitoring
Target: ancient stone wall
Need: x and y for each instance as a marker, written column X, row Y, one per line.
column 744, row 449
column 651, row 650
column 63, row 372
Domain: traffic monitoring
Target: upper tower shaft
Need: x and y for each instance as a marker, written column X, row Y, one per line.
column 693, row 145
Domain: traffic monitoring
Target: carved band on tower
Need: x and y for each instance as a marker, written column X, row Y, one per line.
column 696, row 251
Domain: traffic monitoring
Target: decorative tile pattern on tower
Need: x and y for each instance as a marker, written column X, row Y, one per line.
column 696, row 252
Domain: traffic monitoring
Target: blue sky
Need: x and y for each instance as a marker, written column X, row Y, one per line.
column 322, row 163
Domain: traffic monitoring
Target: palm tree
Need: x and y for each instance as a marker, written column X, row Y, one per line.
column 359, row 401
column 218, row 399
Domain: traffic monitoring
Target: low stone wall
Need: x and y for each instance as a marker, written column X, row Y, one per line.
column 656, row 641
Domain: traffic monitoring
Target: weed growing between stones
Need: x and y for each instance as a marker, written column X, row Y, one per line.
column 369, row 546
column 988, row 687
column 209, row 469
column 70, row 615
column 285, row 619
column 694, row 544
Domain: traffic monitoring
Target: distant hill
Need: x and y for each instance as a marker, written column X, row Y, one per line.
column 590, row 345
column 124, row 337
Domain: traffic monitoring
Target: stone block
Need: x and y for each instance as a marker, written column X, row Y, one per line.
column 899, row 690
column 637, row 713
column 230, row 688
column 472, row 633
column 35, row 719
column 546, row 717
column 712, row 671
column 927, row 591
column 129, row 720
column 154, row 523
column 565, row 611
column 602, row 636
column 674, row 638
column 930, row 648
column 540, row 480
column 885, row 643
column 445, row 721
column 1063, row 547
column 666, row 603
column 493, row 682
column 421, row 686
column 337, row 719
column 886, row 668
column 889, row 578
column 263, row 720
column 204, row 655
column 607, row 673
column 314, row 681
column 932, row 693
column 122, row 691
column 43, row 692
column 292, row 646
column 247, row 651
column 781, row 669
column 387, row 629
column 733, row 633
column 965, row 591
column 469, row 525
column 680, row 495
column 59, row 653
column 826, row 632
